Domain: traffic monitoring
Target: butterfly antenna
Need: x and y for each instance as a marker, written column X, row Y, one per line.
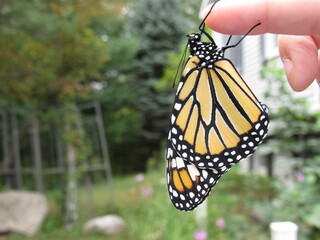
column 202, row 31
column 229, row 39
column 179, row 70
column 202, row 24
column 234, row 45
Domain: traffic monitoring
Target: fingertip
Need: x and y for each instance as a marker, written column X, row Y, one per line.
column 299, row 56
column 218, row 19
column 235, row 17
column 299, row 77
column 206, row 10
column 291, row 73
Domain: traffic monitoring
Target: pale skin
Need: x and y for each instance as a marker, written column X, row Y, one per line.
column 297, row 22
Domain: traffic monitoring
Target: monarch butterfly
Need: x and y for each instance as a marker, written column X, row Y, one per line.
column 216, row 121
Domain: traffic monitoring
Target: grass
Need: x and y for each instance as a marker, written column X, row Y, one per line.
column 146, row 208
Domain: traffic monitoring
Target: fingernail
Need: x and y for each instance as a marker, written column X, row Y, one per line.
column 288, row 66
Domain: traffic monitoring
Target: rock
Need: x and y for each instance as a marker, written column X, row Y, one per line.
column 22, row 212
column 109, row 224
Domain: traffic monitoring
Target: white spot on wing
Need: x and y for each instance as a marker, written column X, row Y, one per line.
column 173, row 119
column 193, row 171
column 177, row 106
column 173, row 164
column 204, row 174
column 182, row 197
column 179, row 86
column 174, row 131
column 180, row 162
column 174, row 193
column 169, row 153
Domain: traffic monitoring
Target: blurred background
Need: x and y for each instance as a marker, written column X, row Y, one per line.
column 85, row 100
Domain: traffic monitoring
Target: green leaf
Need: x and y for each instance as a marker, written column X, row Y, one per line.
column 313, row 217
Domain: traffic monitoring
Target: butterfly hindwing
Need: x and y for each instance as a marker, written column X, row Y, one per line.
column 188, row 185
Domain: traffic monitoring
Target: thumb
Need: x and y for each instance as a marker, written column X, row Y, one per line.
column 300, row 57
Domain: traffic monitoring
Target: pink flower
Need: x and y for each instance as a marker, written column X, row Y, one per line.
column 220, row 223
column 147, row 192
column 200, row 235
column 139, row 177
column 299, row 176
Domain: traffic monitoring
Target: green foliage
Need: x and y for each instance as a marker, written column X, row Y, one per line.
column 293, row 127
column 48, row 51
column 54, row 52
column 146, row 208
column 278, row 91
column 123, row 126
column 122, row 52
column 136, row 110
column 173, row 70
column 295, row 130
column 158, row 26
column 299, row 203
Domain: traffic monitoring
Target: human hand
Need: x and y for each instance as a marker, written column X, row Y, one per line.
column 297, row 20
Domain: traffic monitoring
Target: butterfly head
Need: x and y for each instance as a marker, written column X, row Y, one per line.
column 194, row 38
column 208, row 52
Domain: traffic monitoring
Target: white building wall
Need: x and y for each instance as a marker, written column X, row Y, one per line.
column 252, row 65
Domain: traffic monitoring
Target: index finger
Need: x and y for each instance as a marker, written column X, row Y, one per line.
column 235, row 17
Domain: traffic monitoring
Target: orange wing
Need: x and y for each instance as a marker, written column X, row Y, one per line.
column 216, row 120
column 188, row 185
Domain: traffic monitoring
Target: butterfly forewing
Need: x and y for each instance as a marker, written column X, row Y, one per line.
column 216, row 119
